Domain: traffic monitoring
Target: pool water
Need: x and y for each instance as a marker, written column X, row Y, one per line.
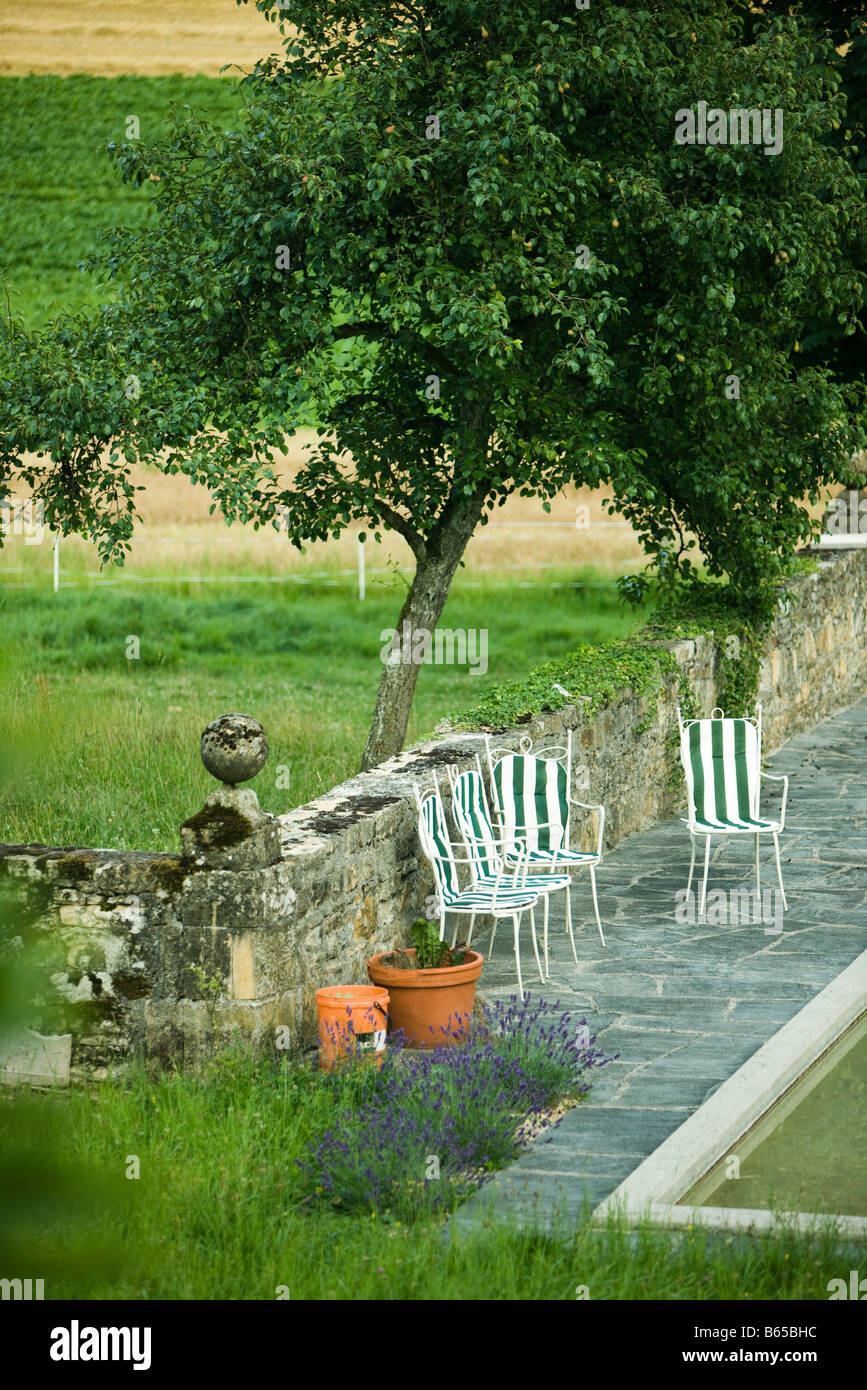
column 808, row 1153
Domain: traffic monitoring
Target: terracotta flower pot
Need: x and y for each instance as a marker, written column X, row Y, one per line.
column 433, row 1007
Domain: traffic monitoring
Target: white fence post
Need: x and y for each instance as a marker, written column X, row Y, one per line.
column 361, row 574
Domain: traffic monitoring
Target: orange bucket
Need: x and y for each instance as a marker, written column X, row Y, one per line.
column 352, row 1023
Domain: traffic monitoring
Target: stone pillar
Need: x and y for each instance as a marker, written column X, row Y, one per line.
column 230, row 965
column 232, row 831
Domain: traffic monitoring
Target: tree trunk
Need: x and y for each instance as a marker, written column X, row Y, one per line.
column 435, row 570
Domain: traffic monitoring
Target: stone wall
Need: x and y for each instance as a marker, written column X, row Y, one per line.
column 163, row 954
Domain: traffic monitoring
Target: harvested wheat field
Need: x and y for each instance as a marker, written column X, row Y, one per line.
column 151, row 38
column 178, row 535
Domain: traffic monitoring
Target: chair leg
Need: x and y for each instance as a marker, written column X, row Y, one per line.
column 596, row 900
column 691, row 866
column 516, row 918
column 704, row 880
column 470, row 932
column 758, row 872
column 535, row 942
column 547, row 971
column 569, row 922
column 443, row 924
column 780, row 872
column 493, row 934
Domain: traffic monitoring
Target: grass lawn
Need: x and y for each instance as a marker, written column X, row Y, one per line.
column 58, row 188
column 220, row 1210
column 103, row 748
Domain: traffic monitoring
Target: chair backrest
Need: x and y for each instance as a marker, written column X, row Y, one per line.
column 435, row 842
column 532, row 796
column 721, row 759
column 473, row 818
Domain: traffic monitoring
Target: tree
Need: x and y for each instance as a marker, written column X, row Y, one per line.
column 466, row 237
column 824, row 341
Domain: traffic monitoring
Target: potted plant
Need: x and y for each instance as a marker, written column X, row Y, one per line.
column 431, row 987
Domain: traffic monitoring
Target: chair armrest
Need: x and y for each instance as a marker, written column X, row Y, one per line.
column 514, row 877
column 771, row 777
column 459, row 858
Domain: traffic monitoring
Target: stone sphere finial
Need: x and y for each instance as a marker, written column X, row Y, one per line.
column 234, row 748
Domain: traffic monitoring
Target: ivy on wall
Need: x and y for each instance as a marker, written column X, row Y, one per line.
column 641, row 664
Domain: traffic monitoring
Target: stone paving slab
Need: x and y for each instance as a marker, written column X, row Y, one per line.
column 685, row 1006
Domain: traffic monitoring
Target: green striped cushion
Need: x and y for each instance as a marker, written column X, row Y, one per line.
column 532, row 791
column 721, row 762
column 470, row 806
column 435, row 842
column 480, row 896
column 558, row 857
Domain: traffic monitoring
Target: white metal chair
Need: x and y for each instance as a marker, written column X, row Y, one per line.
column 722, row 762
column 488, row 850
column 501, row 895
column 531, row 795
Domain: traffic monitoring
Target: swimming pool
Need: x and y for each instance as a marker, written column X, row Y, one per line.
column 808, row 1152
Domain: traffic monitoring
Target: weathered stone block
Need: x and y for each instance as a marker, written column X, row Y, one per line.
column 231, row 832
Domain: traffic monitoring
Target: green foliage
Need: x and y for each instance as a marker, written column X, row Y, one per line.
column 639, row 664
column 431, row 953
column 456, row 256
column 713, row 610
column 826, row 341
column 601, row 674
column 211, row 987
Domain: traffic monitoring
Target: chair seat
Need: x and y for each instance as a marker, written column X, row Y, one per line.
column 562, row 856
column 480, row 896
column 746, row 825
column 545, row 883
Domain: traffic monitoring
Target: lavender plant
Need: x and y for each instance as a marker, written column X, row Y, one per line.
column 417, row 1136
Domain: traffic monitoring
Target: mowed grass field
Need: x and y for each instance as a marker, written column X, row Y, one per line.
column 58, row 188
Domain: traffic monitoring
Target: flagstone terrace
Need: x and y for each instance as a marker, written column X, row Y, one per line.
column 683, row 1006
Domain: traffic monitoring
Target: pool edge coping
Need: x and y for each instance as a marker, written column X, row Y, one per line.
column 651, row 1191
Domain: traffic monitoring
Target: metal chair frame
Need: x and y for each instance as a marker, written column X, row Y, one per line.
column 501, row 895
column 560, row 833
column 773, row 828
